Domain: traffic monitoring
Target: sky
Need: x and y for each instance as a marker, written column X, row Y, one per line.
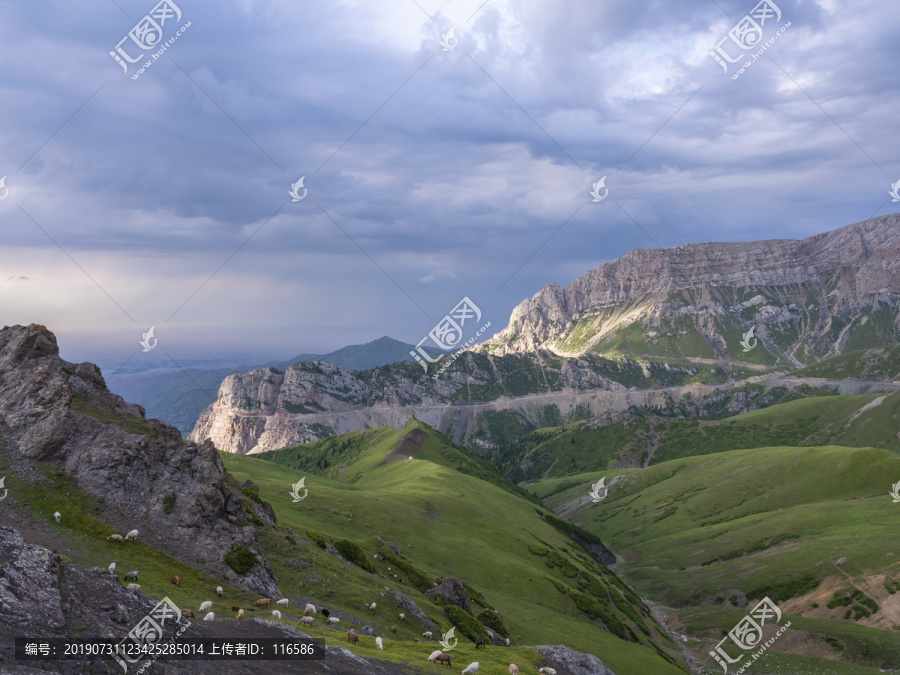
column 435, row 165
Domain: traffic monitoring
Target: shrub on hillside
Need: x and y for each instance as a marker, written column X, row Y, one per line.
column 492, row 620
column 415, row 577
column 320, row 539
column 467, row 624
column 354, row 553
column 240, row 559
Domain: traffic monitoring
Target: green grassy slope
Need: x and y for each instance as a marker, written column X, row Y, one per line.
column 882, row 362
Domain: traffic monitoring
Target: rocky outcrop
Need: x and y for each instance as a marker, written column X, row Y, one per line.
column 452, row 592
column 413, row 611
column 568, row 661
column 141, row 471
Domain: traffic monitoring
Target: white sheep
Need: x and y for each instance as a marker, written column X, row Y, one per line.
column 112, row 568
column 307, row 620
column 402, row 616
column 133, row 574
column 372, row 606
column 57, row 515
column 284, row 602
column 471, row 669
column 210, row 617
column 276, row 613
column 507, row 644
column 332, row 619
column 133, row 587
column 310, row 609
column 436, row 653
column 205, row 606
column 131, row 535
column 378, row 643
column 513, row 669
column 548, row 671
column 219, row 591
column 114, row 537
column 427, row 634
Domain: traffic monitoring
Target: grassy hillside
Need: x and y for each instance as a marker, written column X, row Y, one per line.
column 880, row 363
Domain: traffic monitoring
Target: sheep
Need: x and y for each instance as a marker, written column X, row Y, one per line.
column 262, row 602
column 176, row 580
column 394, row 629
column 311, row 609
column 133, row 574
column 284, row 602
column 436, row 653
column 402, row 616
column 507, row 644
column 445, row 658
column 131, row 536
column 276, row 613
column 307, row 620
column 234, row 608
column 471, row 669
column 480, row 642
column 378, row 643
column 188, row 614
column 112, row 568
column 210, row 617
column 240, row 614
column 205, row 606
column 219, row 591
column 373, row 606
column 325, row 612
column 57, row 515
column 133, row 587
column 513, row 669
column 333, row 619
column 353, row 637
column 416, row 640
column 114, row 537
column 548, row 671
column 427, row 634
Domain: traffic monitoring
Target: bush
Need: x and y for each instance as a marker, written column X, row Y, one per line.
column 354, row 553
column 493, row 621
column 169, row 503
column 320, row 539
column 252, row 492
column 417, row 578
column 785, row 590
column 467, row 624
column 240, row 559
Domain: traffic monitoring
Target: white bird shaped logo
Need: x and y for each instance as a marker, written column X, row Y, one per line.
column 448, row 40
column 145, row 343
column 295, row 491
column 595, row 193
column 895, row 492
column 895, row 192
column 745, row 343
column 445, row 640
column 294, row 192
column 4, row 491
column 599, row 490
column 6, row 189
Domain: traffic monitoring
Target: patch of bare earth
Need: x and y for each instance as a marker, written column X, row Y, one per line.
column 408, row 446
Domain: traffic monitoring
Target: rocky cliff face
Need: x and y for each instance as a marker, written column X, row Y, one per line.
column 145, row 476
column 807, row 299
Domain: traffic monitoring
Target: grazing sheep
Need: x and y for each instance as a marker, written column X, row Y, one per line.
column 436, row 653
column 57, row 515
column 112, row 568
column 205, row 606
column 131, row 535
column 548, row 671
column 311, row 609
column 416, row 640
column 188, row 614
column 284, row 602
column 262, row 602
column 219, row 591
column 234, row 608
column 333, row 619
column 373, row 606
column 307, row 620
column 471, row 669
column 394, row 629
column 445, row 658
column 480, row 642
column 513, row 669
column 378, row 643
column 133, row 574
column 402, row 616
column 114, row 537
column 353, row 637
column 210, row 617
column 176, row 580
column 427, row 634
column 325, row 612
column 240, row 614
column 507, row 644
column 276, row 613
column 133, row 587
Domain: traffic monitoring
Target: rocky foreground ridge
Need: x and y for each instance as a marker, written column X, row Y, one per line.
column 141, row 471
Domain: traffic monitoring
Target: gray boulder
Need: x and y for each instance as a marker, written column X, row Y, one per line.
column 453, row 592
